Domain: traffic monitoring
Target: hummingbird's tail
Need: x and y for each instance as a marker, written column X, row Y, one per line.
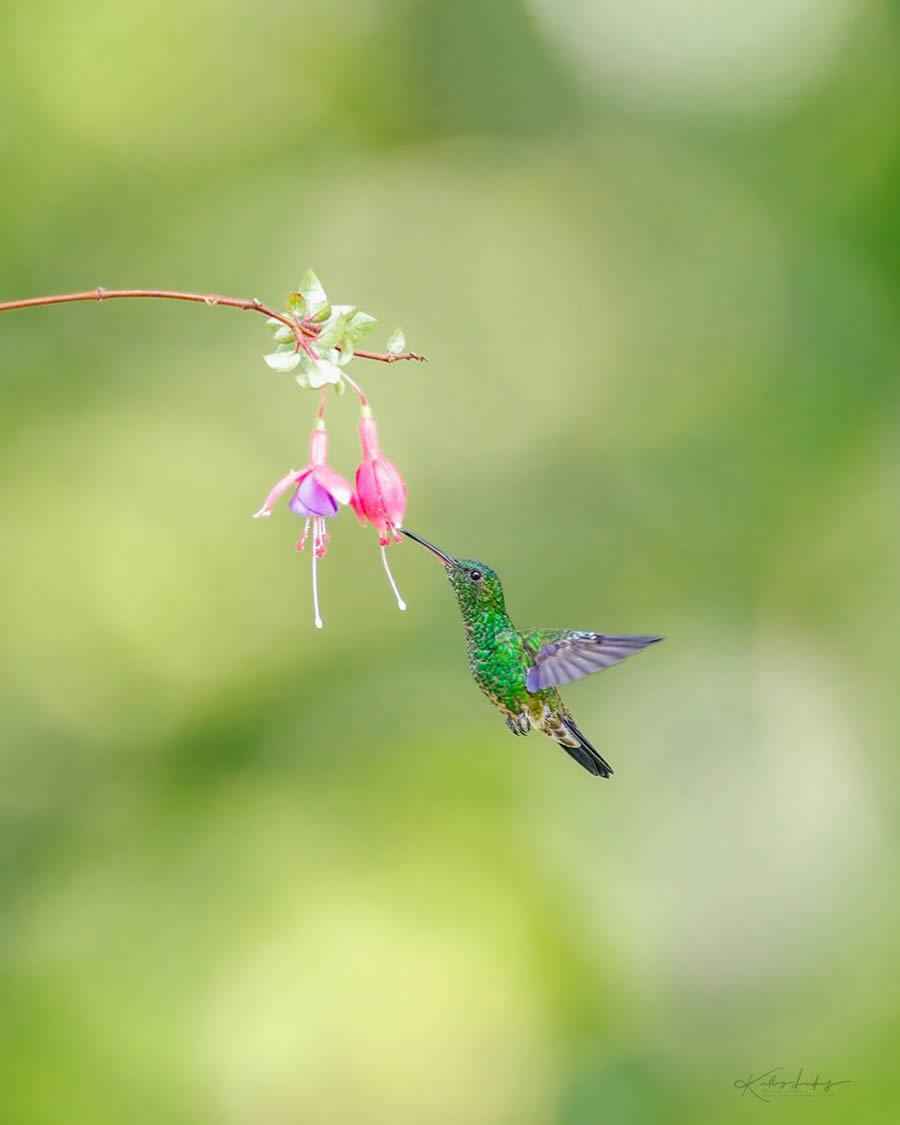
column 570, row 738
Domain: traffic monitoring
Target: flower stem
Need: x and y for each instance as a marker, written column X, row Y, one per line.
column 363, row 401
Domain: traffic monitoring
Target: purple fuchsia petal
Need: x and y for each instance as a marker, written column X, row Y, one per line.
column 296, row 506
column 311, row 499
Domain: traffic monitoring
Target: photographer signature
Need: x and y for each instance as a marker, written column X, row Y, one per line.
column 769, row 1084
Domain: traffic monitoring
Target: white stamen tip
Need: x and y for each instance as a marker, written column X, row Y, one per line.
column 262, row 514
column 319, row 623
column 315, row 582
column 401, row 604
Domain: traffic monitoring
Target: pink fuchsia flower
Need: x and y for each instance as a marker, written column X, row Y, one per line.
column 380, row 494
column 380, row 490
column 318, row 493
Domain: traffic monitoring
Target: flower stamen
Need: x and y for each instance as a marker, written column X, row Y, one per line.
column 317, row 617
column 401, row 604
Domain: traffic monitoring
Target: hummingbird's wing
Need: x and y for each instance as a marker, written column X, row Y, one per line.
column 563, row 655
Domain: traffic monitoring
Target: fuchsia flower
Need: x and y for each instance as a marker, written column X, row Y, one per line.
column 380, row 490
column 380, row 495
column 319, row 492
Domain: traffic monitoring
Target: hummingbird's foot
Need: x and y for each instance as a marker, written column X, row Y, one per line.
column 521, row 724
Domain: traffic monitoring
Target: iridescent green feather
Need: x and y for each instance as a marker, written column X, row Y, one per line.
column 505, row 662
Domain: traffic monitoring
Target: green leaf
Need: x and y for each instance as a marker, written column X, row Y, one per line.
column 282, row 360
column 333, row 331
column 339, row 387
column 313, row 292
column 396, row 344
column 322, row 372
column 284, row 334
column 359, row 326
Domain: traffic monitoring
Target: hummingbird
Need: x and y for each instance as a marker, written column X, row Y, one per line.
column 520, row 672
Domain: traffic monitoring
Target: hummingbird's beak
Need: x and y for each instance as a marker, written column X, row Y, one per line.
column 447, row 560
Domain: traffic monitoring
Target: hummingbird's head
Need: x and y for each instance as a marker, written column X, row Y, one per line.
column 476, row 585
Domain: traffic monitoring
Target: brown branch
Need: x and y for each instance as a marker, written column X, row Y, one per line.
column 383, row 357
column 100, row 294
column 299, row 328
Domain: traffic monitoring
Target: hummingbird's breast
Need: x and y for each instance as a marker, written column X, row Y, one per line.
column 497, row 660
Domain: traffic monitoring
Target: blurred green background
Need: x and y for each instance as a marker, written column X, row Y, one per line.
column 254, row 874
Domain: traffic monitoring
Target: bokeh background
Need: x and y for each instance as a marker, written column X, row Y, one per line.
column 254, row 874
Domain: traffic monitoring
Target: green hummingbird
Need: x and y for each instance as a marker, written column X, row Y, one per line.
column 520, row 672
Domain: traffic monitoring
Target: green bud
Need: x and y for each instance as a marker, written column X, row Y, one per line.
column 396, row 344
column 296, row 304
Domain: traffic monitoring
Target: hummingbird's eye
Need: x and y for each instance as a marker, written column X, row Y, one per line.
column 475, row 575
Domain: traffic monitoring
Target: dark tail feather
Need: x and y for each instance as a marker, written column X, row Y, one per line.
column 584, row 753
